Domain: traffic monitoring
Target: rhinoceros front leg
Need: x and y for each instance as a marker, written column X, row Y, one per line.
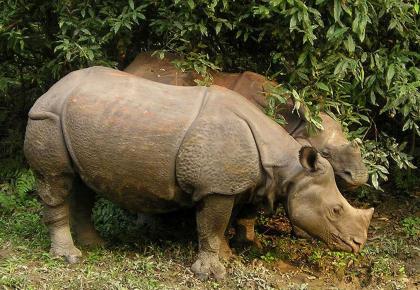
column 213, row 215
column 245, row 228
column 225, row 252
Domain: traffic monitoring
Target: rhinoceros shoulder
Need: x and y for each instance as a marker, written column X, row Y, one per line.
column 219, row 153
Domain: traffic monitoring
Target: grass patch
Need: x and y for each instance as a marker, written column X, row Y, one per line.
column 138, row 261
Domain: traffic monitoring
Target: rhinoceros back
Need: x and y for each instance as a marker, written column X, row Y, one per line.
column 123, row 134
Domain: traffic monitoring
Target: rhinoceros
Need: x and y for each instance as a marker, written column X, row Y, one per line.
column 156, row 148
column 344, row 156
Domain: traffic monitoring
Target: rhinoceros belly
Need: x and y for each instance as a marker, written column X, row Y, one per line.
column 123, row 134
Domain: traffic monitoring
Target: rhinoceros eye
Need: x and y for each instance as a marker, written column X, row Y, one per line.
column 337, row 210
column 325, row 153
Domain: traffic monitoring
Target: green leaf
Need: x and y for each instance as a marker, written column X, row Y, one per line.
column 355, row 24
column 364, row 118
column 390, row 74
column 131, row 4
column 333, row 34
column 346, row 9
column 218, row 27
column 117, row 27
column 337, row 10
column 406, row 125
column 191, row 4
column 246, row 36
column 302, row 57
column 372, row 97
column 90, row 54
column 340, row 67
column 292, row 24
column 362, row 27
column 203, row 28
column 382, row 169
column 322, row 86
column 375, row 182
column 350, row 45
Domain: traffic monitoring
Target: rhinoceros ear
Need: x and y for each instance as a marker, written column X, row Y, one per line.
column 308, row 157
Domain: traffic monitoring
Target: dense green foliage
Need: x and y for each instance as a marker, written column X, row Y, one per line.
column 356, row 59
column 115, row 223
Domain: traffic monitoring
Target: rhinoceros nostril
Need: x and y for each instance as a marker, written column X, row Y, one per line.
column 348, row 173
column 358, row 243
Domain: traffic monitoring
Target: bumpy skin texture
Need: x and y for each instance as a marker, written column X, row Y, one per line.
column 238, row 169
column 344, row 156
column 155, row 148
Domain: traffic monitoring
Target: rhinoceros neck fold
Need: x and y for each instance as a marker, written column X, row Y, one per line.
column 276, row 147
column 278, row 151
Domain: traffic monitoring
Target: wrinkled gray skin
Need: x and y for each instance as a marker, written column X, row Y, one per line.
column 155, row 148
column 343, row 155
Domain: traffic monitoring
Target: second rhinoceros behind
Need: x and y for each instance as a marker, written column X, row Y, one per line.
column 156, row 148
column 344, row 156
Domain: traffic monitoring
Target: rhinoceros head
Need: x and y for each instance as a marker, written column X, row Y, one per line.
column 316, row 206
column 344, row 156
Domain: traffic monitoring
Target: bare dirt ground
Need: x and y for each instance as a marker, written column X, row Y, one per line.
column 391, row 259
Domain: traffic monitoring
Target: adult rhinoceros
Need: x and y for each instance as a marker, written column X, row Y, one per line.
column 344, row 156
column 156, row 148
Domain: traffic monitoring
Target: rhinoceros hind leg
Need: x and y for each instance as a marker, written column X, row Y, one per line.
column 213, row 214
column 47, row 155
column 82, row 201
column 57, row 220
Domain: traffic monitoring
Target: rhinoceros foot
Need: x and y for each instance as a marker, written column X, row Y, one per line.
column 243, row 243
column 90, row 239
column 207, row 265
column 71, row 254
column 245, row 236
column 225, row 252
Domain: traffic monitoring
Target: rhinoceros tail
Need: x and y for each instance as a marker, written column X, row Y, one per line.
column 42, row 116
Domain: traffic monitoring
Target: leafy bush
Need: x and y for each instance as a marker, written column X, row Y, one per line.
column 411, row 226
column 406, row 182
column 113, row 222
column 357, row 59
column 15, row 183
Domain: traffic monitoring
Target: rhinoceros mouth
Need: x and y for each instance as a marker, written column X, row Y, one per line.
column 350, row 180
column 343, row 244
column 345, row 177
